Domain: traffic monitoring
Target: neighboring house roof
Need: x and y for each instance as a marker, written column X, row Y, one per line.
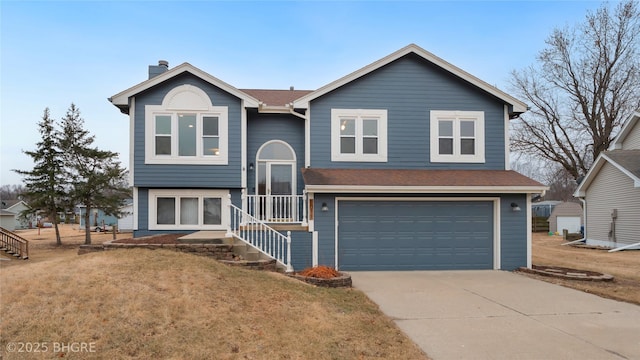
column 518, row 106
column 625, row 130
column 627, row 161
column 276, row 97
column 121, row 99
column 11, row 204
column 445, row 181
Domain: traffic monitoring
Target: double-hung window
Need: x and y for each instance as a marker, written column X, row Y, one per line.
column 359, row 135
column 186, row 129
column 457, row 136
column 187, row 209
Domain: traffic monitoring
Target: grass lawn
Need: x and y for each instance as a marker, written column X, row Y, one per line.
column 156, row 304
column 623, row 265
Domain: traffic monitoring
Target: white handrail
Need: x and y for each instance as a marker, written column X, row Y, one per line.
column 261, row 236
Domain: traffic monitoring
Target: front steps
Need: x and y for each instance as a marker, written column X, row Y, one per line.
column 215, row 244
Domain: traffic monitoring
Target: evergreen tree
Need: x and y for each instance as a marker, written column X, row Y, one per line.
column 95, row 178
column 44, row 185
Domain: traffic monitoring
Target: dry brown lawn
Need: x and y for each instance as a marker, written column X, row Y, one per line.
column 156, row 304
column 623, row 265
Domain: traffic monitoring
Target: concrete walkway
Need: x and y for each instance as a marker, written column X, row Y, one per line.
column 501, row 315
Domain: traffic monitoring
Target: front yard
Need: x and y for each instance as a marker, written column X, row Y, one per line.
column 140, row 303
column 623, row 265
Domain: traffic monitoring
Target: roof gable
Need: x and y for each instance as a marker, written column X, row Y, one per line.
column 627, row 161
column 516, row 105
column 626, row 130
column 121, row 99
column 12, row 205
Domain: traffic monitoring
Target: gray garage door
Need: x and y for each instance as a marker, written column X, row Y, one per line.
column 415, row 235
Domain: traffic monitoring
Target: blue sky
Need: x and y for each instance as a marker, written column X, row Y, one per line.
column 55, row 53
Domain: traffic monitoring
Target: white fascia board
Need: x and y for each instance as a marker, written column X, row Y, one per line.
column 518, row 106
column 425, row 189
column 122, row 98
column 625, row 130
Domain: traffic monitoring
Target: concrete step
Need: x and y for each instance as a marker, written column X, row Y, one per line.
column 248, row 252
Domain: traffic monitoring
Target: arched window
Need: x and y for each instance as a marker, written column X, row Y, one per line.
column 186, row 129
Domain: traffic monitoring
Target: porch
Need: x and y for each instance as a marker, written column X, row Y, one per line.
column 283, row 212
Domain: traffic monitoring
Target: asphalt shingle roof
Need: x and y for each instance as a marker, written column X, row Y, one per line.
column 629, row 159
column 402, row 177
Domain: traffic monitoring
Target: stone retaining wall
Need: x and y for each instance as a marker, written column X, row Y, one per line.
column 216, row 251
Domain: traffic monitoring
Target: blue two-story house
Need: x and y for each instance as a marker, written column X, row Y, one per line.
column 400, row 165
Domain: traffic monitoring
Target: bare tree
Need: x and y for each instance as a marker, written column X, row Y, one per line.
column 11, row 192
column 561, row 184
column 585, row 82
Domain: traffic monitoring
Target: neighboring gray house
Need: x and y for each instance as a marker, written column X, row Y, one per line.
column 400, row 165
column 10, row 216
column 566, row 215
column 611, row 191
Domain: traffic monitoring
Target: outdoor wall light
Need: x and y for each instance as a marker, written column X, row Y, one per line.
column 250, row 166
column 515, row 207
column 324, row 207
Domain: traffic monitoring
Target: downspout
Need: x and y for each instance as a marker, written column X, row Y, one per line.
column 584, row 227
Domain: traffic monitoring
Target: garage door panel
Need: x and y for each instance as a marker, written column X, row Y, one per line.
column 415, row 235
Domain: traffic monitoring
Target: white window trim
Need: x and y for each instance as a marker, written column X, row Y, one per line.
column 192, row 100
column 359, row 114
column 154, row 194
column 456, row 157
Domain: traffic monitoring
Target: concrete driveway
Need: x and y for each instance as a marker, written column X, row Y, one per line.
column 502, row 315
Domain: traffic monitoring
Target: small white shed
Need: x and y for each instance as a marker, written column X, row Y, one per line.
column 125, row 223
column 567, row 215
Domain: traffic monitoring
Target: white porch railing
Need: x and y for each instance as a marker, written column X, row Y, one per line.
column 290, row 209
column 247, row 228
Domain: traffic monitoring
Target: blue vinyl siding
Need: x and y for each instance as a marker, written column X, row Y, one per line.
column 301, row 250
column 266, row 127
column 187, row 176
column 324, row 224
column 408, row 89
column 513, row 237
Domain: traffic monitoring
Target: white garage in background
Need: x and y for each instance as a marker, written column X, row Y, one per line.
column 567, row 215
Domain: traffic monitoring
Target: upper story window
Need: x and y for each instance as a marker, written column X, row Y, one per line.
column 186, row 128
column 457, row 136
column 359, row 135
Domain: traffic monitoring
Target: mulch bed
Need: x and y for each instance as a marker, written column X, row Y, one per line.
column 323, row 276
column 155, row 239
column 567, row 273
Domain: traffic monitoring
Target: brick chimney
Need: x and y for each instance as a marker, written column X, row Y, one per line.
column 155, row 70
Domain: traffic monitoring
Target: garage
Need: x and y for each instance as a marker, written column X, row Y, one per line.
column 415, row 235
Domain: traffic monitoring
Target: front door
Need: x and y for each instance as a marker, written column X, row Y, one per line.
column 276, row 182
column 278, row 188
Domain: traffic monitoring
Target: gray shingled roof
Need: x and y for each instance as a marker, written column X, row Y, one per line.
column 628, row 159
